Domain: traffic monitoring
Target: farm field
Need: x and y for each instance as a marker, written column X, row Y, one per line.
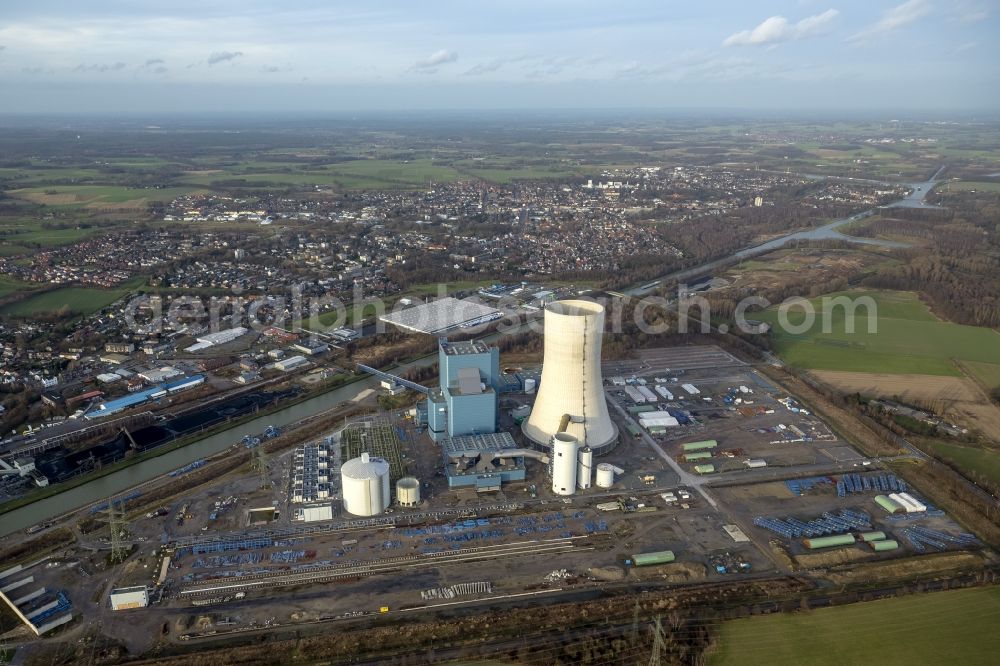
column 956, row 627
column 356, row 174
column 908, row 339
column 84, row 300
column 957, row 398
column 98, row 195
column 986, row 373
column 52, row 237
column 972, row 186
column 972, row 459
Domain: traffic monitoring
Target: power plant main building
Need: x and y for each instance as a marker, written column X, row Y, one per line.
column 571, row 395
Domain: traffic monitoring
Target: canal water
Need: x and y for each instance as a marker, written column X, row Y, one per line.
column 141, row 472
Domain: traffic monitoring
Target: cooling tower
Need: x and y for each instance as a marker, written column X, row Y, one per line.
column 571, row 382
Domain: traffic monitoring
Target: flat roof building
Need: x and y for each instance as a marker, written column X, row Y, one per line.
column 125, row 598
column 442, row 315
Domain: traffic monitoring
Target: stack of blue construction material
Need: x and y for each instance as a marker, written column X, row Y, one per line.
column 829, row 523
column 857, row 483
column 922, row 537
column 232, row 544
column 103, row 506
column 287, row 556
column 799, row 486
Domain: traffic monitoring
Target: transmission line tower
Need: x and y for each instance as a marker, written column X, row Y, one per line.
column 116, row 527
column 656, row 655
column 635, row 619
column 258, row 462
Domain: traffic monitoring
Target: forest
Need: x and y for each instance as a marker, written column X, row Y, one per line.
column 955, row 261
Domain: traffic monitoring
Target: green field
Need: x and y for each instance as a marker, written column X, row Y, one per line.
column 84, row 300
column 10, row 286
column 907, row 339
column 957, row 627
column 355, row 174
column 969, row 458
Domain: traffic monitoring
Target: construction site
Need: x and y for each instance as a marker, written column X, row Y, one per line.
column 683, row 465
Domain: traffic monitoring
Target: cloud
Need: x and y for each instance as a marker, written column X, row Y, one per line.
column 114, row 67
column 893, row 19
column 779, row 29
column 160, row 70
column 223, row 56
column 961, row 48
column 154, row 61
column 274, row 69
column 965, row 13
column 436, row 59
column 484, row 68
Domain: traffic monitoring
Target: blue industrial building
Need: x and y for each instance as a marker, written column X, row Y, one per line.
column 466, row 402
column 483, row 461
column 110, row 407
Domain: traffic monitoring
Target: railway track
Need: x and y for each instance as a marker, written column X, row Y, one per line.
column 387, row 565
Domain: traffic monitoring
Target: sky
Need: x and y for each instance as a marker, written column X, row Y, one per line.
column 125, row 56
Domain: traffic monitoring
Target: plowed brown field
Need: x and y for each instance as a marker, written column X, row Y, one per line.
column 957, row 398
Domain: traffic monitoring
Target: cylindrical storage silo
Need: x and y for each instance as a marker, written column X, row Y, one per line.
column 564, row 463
column 365, row 484
column 571, row 381
column 605, row 475
column 408, row 491
column 585, row 472
column 529, row 385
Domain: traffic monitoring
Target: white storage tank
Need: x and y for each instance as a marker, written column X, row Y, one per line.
column 564, row 463
column 365, row 484
column 605, row 475
column 529, row 385
column 408, row 491
column 585, row 471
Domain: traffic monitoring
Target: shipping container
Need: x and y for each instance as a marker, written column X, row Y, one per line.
column 697, row 455
column 828, row 541
column 699, row 446
column 647, row 559
column 872, row 536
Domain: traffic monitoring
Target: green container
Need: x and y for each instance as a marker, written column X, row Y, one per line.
column 699, row 446
column 698, row 455
column 640, row 409
column 872, row 536
column 887, row 544
column 647, row 559
column 829, row 541
column 704, row 469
